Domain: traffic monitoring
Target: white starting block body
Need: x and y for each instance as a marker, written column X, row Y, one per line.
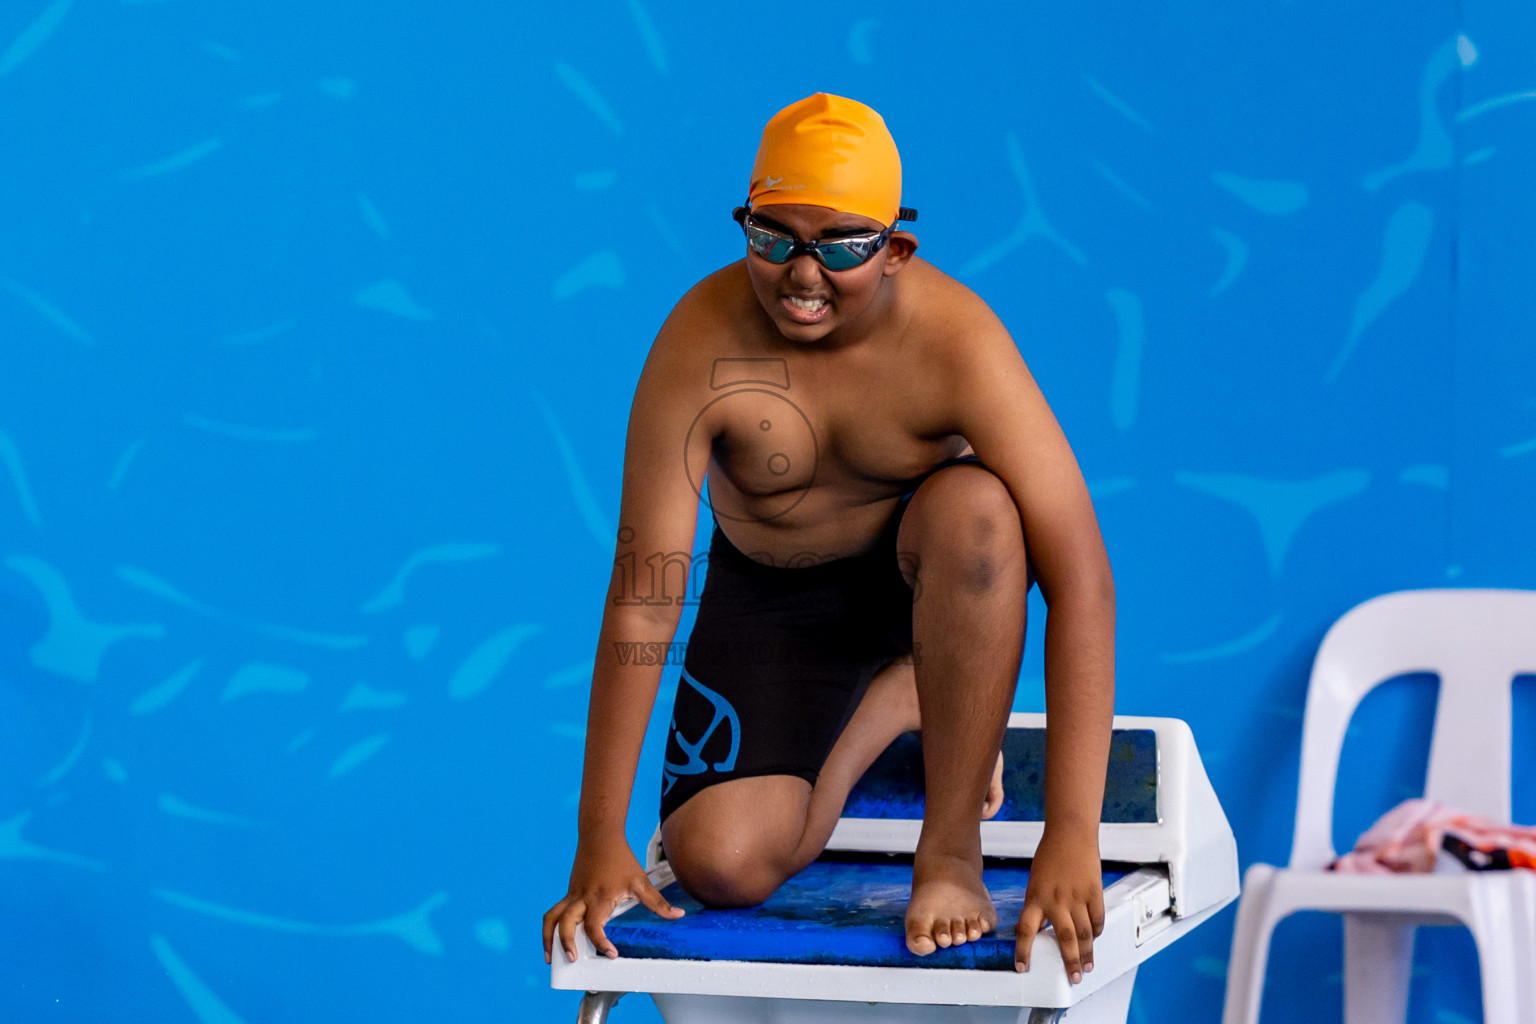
column 830, row 945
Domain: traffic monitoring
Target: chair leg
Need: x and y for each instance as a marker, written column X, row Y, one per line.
column 1250, row 947
column 1378, row 961
column 1500, row 984
column 1503, row 924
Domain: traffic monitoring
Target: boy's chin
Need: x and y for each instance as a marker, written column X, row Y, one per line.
column 796, row 331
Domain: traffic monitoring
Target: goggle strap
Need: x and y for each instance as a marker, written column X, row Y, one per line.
column 905, row 213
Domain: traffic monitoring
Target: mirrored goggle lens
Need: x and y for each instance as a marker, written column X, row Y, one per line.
column 841, row 256
column 769, row 246
column 775, row 248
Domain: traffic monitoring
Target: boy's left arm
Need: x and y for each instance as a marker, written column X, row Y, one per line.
column 1009, row 425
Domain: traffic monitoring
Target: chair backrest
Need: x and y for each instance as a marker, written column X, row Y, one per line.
column 1476, row 641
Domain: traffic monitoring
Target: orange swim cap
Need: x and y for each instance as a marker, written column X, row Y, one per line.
column 828, row 151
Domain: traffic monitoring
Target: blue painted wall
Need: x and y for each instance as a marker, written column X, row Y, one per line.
column 318, row 329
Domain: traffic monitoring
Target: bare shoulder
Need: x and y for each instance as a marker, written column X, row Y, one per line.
column 955, row 325
column 715, row 302
column 701, row 322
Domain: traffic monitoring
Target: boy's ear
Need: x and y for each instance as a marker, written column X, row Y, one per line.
column 898, row 249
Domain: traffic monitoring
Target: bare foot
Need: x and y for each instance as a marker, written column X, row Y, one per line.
column 950, row 905
column 994, row 799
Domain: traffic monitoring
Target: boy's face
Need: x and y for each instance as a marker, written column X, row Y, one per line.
column 804, row 299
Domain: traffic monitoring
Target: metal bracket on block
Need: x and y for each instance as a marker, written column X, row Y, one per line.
column 595, row 1007
column 1152, row 906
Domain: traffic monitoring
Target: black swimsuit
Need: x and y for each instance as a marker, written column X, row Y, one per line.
column 779, row 659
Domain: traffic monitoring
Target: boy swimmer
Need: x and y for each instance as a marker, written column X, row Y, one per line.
column 887, row 483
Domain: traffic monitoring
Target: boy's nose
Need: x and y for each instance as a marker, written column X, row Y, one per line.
column 805, row 270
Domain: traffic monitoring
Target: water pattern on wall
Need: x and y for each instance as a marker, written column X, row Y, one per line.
column 318, row 330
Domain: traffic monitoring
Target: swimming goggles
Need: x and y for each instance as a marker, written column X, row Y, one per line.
column 835, row 254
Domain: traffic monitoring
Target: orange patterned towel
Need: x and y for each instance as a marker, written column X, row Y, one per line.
column 1411, row 835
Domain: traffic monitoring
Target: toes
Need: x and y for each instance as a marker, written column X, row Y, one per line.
column 922, row 945
column 973, row 929
column 941, row 934
column 922, row 935
column 959, row 932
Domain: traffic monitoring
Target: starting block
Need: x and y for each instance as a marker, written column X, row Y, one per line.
column 830, row 946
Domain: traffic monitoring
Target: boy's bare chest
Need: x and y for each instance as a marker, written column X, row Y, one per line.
column 852, row 430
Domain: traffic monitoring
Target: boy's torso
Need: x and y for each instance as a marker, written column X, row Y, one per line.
column 817, row 466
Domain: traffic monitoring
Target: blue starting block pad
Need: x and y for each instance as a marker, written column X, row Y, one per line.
column 830, row 945
column 833, row 912
column 893, row 786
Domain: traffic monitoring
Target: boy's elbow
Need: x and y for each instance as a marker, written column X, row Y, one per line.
column 1090, row 589
column 1101, row 584
column 1094, row 593
column 655, row 616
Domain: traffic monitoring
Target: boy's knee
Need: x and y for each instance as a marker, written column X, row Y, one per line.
column 721, row 873
column 991, row 517
column 968, row 518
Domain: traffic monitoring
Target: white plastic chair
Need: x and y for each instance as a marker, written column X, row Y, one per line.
column 1477, row 641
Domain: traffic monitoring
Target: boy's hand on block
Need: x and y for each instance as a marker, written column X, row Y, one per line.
column 600, row 881
column 1066, row 890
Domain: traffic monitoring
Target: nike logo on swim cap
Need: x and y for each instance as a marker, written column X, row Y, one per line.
column 770, row 182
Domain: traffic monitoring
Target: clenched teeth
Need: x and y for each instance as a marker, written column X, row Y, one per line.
column 810, row 305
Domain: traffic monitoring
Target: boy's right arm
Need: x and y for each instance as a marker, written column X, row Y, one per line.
column 658, row 511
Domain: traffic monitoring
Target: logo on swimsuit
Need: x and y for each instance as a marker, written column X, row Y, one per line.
column 725, row 714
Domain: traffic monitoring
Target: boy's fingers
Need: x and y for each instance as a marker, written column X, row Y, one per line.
column 1029, row 924
column 550, row 917
column 1084, row 931
column 1066, row 940
column 568, row 922
column 1096, row 913
column 655, row 902
column 593, row 926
